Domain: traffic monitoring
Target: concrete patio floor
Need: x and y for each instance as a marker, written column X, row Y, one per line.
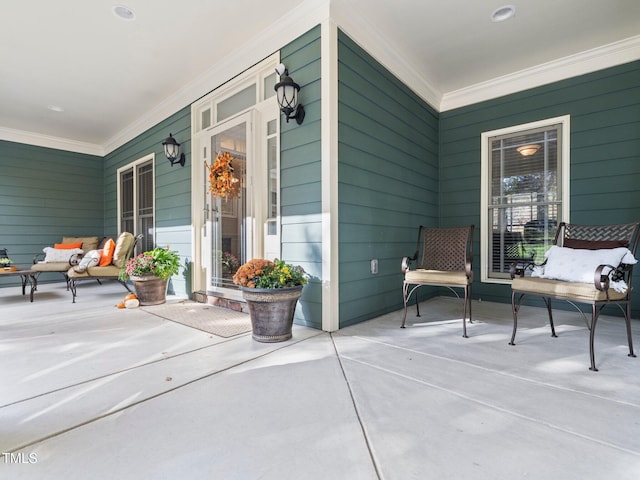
column 89, row 391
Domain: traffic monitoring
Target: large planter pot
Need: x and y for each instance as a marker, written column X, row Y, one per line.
column 271, row 311
column 150, row 290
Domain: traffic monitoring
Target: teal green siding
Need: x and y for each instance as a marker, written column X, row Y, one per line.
column 46, row 194
column 388, row 180
column 300, row 176
column 172, row 188
column 605, row 150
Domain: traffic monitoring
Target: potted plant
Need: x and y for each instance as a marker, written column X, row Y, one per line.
column 271, row 290
column 5, row 263
column 150, row 272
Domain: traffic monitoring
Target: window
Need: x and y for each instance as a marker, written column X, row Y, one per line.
column 525, row 172
column 136, row 200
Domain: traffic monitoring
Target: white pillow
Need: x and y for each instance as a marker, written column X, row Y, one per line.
column 59, row 254
column 579, row 265
column 91, row 259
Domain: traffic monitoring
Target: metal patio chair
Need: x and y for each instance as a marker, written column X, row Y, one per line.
column 442, row 258
column 600, row 289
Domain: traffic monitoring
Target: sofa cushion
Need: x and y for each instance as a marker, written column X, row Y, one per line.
column 90, row 259
column 110, row 271
column 59, row 254
column 62, row 246
column 123, row 246
column 50, row 267
column 107, row 253
column 88, row 243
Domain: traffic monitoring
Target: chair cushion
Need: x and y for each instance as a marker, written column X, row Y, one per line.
column 110, row 271
column 88, row 243
column 559, row 288
column 437, row 277
column 50, row 267
column 122, row 250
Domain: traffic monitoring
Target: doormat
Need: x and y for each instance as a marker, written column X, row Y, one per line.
column 221, row 322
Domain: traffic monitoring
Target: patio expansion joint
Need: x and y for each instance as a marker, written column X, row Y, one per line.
column 363, row 429
column 488, row 404
column 146, row 399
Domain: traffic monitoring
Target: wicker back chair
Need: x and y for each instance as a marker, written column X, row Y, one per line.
column 599, row 293
column 442, row 258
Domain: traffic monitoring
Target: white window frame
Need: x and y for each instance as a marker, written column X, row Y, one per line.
column 134, row 167
column 485, row 180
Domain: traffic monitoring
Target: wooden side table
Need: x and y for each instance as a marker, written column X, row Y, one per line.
column 26, row 276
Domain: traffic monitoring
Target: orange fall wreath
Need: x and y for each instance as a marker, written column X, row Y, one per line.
column 222, row 181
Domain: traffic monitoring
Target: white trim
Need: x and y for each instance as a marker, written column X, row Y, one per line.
column 329, row 172
column 565, row 120
column 607, row 56
column 57, row 143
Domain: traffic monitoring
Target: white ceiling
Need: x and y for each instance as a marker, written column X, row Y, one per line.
column 113, row 76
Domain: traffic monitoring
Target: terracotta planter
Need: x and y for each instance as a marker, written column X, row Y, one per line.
column 271, row 311
column 150, row 290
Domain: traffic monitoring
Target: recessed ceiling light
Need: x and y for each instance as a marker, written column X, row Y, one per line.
column 124, row 12
column 503, row 13
column 55, row 108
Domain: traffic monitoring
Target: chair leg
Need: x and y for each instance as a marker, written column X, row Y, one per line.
column 592, row 334
column 515, row 306
column 547, row 302
column 468, row 292
column 73, row 285
column 405, row 288
column 467, row 298
column 627, row 319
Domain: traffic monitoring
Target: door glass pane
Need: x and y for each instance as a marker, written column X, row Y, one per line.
column 269, row 86
column 229, row 240
column 126, row 201
column 205, row 119
column 272, row 186
column 238, row 102
column 145, row 205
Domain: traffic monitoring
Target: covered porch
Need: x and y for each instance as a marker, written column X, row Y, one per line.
column 89, row 390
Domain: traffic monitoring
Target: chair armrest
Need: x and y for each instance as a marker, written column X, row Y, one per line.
column 75, row 259
column 518, row 269
column 38, row 257
column 602, row 281
column 406, row 262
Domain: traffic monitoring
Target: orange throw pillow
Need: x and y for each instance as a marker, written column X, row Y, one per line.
column 107, row 253
column 67, row 246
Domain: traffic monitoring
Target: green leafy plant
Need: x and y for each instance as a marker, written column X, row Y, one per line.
column 161, row 262
column 5, row 261
column 261, row 273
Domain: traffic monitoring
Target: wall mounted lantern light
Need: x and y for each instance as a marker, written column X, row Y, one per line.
column 172, row 150
column 287, row 93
